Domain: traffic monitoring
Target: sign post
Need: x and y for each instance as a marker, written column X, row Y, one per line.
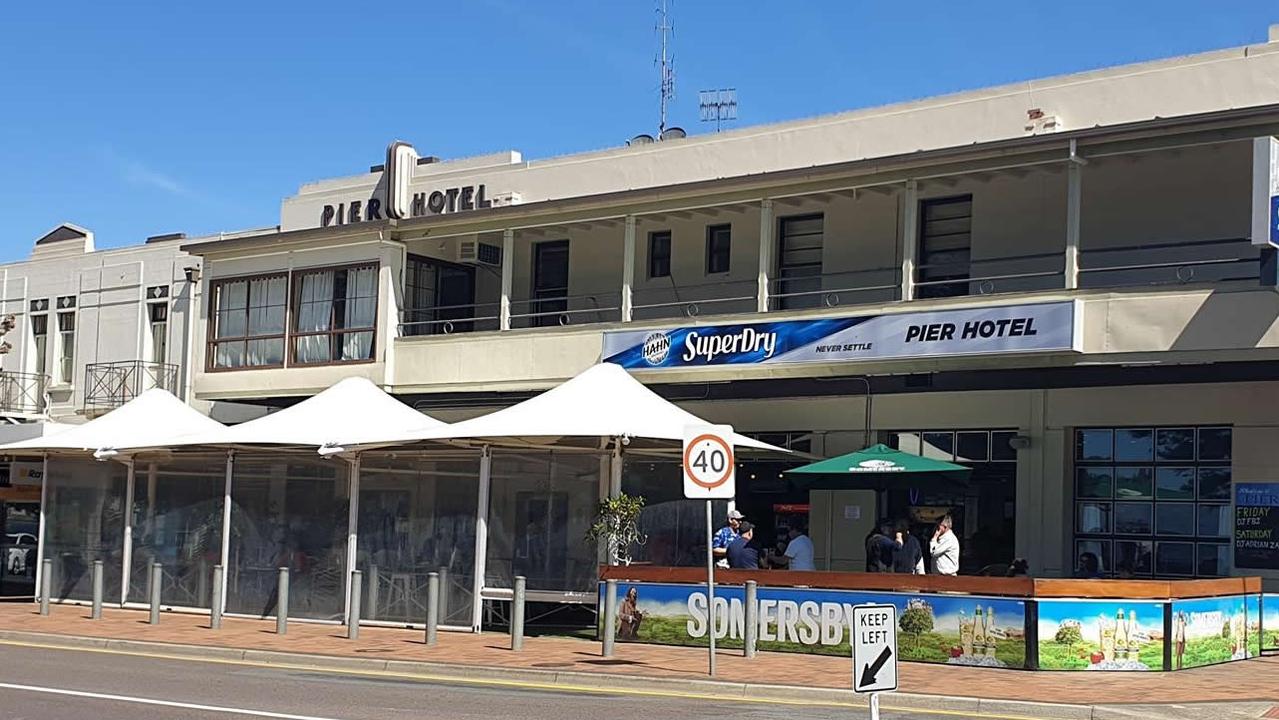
column 710, row 473
column 874, row 641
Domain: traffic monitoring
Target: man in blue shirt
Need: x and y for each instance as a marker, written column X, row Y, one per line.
column 725, row 537
column 741, row 556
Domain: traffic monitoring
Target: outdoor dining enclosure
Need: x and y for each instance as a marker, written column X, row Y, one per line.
column 350, row 479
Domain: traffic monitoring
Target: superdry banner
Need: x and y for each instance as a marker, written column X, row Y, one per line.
column 975, row 331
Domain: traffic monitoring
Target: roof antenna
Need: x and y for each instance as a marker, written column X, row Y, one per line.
column 666, row 62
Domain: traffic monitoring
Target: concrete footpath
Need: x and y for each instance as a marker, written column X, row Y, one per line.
column 1248, row 689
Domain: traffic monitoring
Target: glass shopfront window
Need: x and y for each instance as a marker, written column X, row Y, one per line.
column 674, row 526
column 417, row 516
column 288, row 511
column 84, row 521
column 1153, row 501
column 540, row 506
column 177, row 522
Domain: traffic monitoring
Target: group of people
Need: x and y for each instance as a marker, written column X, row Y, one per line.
column 733, row 547
column 892, row 548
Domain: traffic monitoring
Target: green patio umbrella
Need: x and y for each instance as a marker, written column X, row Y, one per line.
column 875, row 466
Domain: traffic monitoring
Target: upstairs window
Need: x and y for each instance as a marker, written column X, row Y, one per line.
column 719, row 243
column 248, row 322
column 945, row 246
column 659, row 254
column 335, row 313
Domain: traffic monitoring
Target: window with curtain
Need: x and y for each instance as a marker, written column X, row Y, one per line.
column 248, row 322
column 335, row 315
column 66, row 346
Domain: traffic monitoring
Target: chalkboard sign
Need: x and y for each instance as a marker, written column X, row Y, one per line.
column 1257, row 526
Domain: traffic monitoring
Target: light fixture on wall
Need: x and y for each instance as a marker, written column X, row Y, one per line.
column 104, row 454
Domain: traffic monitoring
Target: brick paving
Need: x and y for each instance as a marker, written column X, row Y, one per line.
column 1251, row 680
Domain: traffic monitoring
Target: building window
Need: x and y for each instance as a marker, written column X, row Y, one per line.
column 158, row 319
column 799, row 261
column 550, row 283
column 719, row 242
column 659, row 254
column 440, row 297
column 40, row 342
column 1153, row 501
column 334, row 315
column 945, row 245
column 66, row 347
column 248, row 322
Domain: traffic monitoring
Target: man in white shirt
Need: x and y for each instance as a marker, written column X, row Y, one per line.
column 944, row 548
column 799, row 551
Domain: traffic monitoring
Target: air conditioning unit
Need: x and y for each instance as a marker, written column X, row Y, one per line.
column 474, row 252
column 1039, row 122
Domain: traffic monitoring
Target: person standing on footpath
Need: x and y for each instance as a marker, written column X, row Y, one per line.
column 908, row 555
column 741, row 556
column 725, row 537
column 944, row 547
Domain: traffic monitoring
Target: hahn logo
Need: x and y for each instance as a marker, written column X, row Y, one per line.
column 656, row 347
column 878, row 466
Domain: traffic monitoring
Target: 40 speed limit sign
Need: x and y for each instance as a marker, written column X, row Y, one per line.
column 709, row 465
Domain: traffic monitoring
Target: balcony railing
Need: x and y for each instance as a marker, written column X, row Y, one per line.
column 1223, row 260
column 23, row 393
column 112, row 384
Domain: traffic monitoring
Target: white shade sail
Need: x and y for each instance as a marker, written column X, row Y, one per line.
column 154, row 419
column 353, row 410
column 603, row 401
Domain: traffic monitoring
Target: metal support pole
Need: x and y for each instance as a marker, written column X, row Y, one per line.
column 508, row 280
column 46, row 584
column 126, row 553
column 215, row 603
column 1074, row 202
column 766, row 254
column 710, row 590
column 157, row 584
column 96, row 612
column 352, row 533
column 481, row 538
column 353, row 622
column 517, row 615
column 41, row 568
column 874, row 706
column 610, row 616
column 432, row 607
column 282, row 603
column 225, row 551
column 909, row 239
column 628, row 268
column 752, row 618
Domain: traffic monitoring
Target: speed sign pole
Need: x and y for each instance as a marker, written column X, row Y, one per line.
column 710, row 473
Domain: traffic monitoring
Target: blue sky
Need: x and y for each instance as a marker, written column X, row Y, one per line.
column 136, row 119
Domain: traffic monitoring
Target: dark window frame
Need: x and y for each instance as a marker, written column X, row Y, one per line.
column 715, row 254
column 334, row 332
column 547, row 308
column 784, row 272
column 926, row 273
column 211, row 339
column 654, row 257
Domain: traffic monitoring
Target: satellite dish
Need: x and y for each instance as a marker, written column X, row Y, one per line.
column 640, row 140
column 674, row 133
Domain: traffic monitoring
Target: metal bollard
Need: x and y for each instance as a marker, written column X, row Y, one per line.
column 46, row 585
column 610, row 616
column 96, row 612
column 432, row 607
column 282, row 603
column 157, row 583
column 517, row 615
column 752, row 619
column 353, row 621
column 215, row 603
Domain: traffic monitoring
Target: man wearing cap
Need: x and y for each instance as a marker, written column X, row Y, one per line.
column 725, row 537
column 741, row 556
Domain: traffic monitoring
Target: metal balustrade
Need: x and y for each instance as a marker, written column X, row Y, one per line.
column 109, row 385
column 1222, row 260
column 23, row 393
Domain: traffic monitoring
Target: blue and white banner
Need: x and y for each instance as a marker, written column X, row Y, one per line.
column 1040, row 327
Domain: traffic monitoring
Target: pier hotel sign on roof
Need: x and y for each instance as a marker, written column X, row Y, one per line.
column 392, row 198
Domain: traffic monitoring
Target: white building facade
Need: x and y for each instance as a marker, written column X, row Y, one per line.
column 1104, row 234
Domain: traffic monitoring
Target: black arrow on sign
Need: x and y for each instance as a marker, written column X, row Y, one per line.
column 872, row 669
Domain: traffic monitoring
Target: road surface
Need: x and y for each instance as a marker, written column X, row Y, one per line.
column 56, row 684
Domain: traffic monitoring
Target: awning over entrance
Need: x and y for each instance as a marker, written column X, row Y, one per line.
column 153, row 420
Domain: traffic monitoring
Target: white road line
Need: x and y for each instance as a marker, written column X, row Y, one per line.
column 163, row 703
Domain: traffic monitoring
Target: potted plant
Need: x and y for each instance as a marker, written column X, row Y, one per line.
column 617, row 526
